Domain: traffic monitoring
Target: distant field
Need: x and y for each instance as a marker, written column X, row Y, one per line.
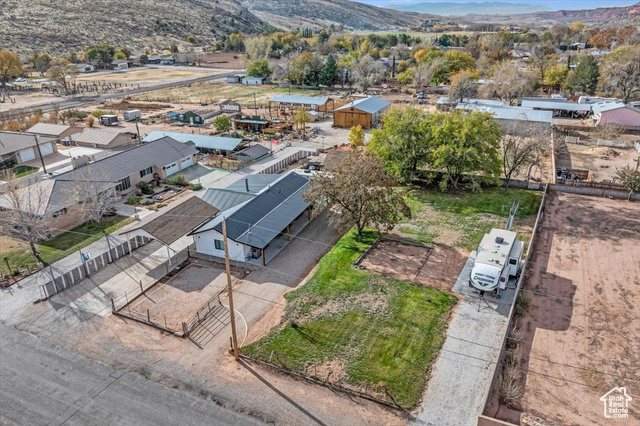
column 147, row 75
column 424, row 35
column 210, row 92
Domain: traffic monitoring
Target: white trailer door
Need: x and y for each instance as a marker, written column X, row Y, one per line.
column 46, row 148
column 27, row 154
column 171, row 169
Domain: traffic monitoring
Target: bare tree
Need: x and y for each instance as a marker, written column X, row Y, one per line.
column 425, row 71
column 523, row 144
column 25, row 213
column 94, row 190
column 62, row 73
column 373, row 201
column 367, row 71
column 464, row 85
column 508, row 82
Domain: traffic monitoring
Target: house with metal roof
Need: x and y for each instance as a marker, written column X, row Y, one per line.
column 558, row 107
column 309, row 103
column 104, row 139
column 258, row 224
column 507, row 115
column 22, row 147
column 616, row 113
column 60, row 132
column 204, row 143
column 364, row 112
column 252, row 153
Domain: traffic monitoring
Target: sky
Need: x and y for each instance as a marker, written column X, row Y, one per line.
column 549, row 4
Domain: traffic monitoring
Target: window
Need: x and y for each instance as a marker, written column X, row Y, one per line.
column 123, row 184
column 59, row 213
column 146, row 171
column 512, row 261
column 219, row 244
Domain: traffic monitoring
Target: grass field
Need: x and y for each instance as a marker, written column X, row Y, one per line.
column 212, row 92
column 19, row 253
column 21, row 171
column 461, row 218
column 361, row 330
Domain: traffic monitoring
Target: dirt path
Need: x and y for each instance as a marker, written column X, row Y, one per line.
column 583, row 327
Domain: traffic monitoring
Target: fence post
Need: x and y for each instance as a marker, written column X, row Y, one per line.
column 148, row 316
column 141, row 290
column 129, row 245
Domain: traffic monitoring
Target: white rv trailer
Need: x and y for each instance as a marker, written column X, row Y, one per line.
column 499, row 257
column 131, row 115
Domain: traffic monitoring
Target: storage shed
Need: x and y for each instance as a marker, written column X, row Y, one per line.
column 363, row 112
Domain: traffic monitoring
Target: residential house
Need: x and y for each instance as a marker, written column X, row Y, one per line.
column 60, row 132
column 616, row 113
column 259, row 223
column 122, row 64
column 254, row 80
column 83, row 68
column 24, row 147
column 104, row 139
column 362, row 112
column 235, row 79
column 204, row 143
column 191, row 118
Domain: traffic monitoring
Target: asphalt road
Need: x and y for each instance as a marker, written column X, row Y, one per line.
column 41, row 384
column 66, row 104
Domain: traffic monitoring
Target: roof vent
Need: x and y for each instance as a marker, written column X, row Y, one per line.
column 499, row 240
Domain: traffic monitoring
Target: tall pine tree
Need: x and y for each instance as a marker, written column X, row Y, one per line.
column 584, row 77
column 329, row 73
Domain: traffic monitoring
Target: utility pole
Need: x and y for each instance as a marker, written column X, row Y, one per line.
column 230, row 291
column 44, row 168
column 138, row 131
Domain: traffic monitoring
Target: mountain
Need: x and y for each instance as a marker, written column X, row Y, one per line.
column 471, row 8
column 321, row 13
column 66, row 25
column 610, row 16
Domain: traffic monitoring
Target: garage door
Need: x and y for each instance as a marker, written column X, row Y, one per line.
column 27, row 154
column 186, row 162
column 46, row 149
column 171, row 169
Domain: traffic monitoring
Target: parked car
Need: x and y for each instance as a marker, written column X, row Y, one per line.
column 20, row 80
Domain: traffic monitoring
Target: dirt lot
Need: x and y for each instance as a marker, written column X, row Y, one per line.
column 146, row 75
column 435, row 266
column 583, row 325
column 177, row 299
column 601, row 161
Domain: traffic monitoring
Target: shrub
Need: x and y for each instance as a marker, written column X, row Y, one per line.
column 134, row 199
column 179, row 180
column 522, row 304
column 195, row 187
column 98, row 112
column 145, row 188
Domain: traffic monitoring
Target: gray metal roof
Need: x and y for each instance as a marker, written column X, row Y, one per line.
column 300, row 100
column 261, row 219
column 253, row 152
column 201, row 141
column 257, row 183
column 224, row 199
column 555, row 105
column 13, row 141
column 511, row 113
column 159, row 153
column 98, row 136
column 371, row 105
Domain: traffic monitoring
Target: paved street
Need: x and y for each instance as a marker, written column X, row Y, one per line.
column 42, row 384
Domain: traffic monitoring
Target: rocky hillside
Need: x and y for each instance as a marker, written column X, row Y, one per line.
column 609, row 16
column 321, row 13
column 65, row 25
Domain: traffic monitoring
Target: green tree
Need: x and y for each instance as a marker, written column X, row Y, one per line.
column 191, row 39
column 10, row 66
column 464, row 84
column 302, row 117
column 584, row 77
column 374, row 201
column 356, row 136
column 630, row 179
column 403, row 142
column 620, row 72
column 259, row 68
column 556, row 75
column 126, row 52
column 102, row 54
column 465, row 145
column 323, row 36
column 329, row 73
column 222, row 123
column 41, row 63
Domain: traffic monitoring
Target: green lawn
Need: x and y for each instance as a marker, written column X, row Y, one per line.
column 461, row 218
column 63, row 244
column 21, row 171
column 370, row 331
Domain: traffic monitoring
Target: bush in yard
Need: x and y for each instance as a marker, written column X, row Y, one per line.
column 222, row 123
column 179, row 180
column 134, row 199
column 145, row 188
column 195, row 187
